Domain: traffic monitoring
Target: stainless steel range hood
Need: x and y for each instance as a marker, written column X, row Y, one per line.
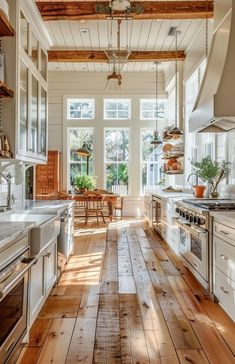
column 214, row 109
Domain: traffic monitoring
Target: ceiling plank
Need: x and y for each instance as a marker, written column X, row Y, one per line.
column 100, row 56
column 78, row 10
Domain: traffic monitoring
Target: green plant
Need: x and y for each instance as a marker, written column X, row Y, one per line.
column 211, row 171
column 85, row 181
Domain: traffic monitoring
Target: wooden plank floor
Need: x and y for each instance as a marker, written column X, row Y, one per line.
column 128, row 299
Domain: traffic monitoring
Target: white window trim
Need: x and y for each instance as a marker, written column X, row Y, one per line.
column 68, row 129
column 69, row 99
column 116, row 100
column 142, row 100
column 129, row 156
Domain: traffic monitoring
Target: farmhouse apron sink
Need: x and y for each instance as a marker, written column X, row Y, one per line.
column 47, row 228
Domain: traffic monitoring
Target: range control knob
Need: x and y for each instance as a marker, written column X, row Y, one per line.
column 177, row 210
column 191, row 218
column 187, row 216
column 201, row 221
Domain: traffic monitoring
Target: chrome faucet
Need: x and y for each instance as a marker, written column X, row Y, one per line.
column 193, row 174
column 8, row 178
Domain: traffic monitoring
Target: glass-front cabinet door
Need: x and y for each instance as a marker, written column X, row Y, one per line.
column 34, row 116
column 23, row 122
column 32, row 130
column 43, row 123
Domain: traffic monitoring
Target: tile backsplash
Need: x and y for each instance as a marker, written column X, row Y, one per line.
column 17, row 185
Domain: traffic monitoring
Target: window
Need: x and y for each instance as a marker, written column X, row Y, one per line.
column 117, row 109
column 116, row 160
column 148, row 110
column 151, row 164
column 81, row 109
column 78, row 164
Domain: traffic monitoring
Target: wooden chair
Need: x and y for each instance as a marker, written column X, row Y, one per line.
column 94, row 204
column 119, row 207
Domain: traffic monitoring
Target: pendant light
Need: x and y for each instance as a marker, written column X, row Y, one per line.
column 175, row 130
column 156, row 140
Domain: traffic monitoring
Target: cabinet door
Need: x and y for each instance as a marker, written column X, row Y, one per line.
column 36, row 290
column 50, row 261
column 24, row 32
column 23, row 122
column 42, row 142
column 33, row 130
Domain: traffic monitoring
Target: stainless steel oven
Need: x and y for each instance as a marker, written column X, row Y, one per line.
column 14, row 266
column 194, row 246
column 156, row 214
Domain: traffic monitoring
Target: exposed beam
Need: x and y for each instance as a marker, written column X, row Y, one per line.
column 78, row 10
column 100, row 56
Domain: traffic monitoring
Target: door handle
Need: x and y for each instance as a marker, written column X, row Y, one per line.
column 224, row 290
column 224, row 232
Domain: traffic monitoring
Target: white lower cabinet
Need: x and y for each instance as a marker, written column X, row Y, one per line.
column 50, row 264
column 36, row 289
column 224, row 290
column 42, row 278
column 224, row 266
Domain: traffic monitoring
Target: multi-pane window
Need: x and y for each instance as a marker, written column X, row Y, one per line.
column 116, row 160
column 117, row 109
column 78, row 164
column 151, row 163
column 80, row 109
column 150, row 110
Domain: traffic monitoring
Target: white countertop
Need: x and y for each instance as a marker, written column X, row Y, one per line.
column 22, row 216
column 170, row 195
column 48, row 206
column 10, row 231
column 225, row 217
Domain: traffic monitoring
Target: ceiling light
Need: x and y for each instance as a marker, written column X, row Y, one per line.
column 156, row 140
column 175, row 130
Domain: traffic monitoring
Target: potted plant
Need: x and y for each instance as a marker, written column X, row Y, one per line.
column 211, row 172
column 84, row 183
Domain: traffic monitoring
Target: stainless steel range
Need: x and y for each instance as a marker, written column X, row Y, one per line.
column 14, row 267
column 195, row 234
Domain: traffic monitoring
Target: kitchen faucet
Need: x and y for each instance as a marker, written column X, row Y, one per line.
column 7, row 178
column 193, row 174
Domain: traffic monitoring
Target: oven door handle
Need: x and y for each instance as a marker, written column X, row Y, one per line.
column 177, row 221
column 194, row 231
column 14, row 278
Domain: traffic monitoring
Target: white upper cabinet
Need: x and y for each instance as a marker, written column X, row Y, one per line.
column 24, row 117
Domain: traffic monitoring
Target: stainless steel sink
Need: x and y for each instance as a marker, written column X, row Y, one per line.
column 47, row 228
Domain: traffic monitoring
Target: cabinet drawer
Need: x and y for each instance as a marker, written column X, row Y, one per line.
column 224, row 232
column 225, row 257
column 224, row 289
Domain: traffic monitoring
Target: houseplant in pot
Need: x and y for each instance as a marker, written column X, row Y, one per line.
column 84, row 182
column 211, row 172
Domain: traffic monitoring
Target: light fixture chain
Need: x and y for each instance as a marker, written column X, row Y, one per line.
column 206, row 44
column 176, row 80
column 156, row 91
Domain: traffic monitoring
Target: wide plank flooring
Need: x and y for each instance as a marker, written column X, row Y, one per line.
column 126, row 298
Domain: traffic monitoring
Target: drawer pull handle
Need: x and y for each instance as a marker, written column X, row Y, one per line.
column 47, row 255
column 223, row 257
column 224, row 290
column 223, row 232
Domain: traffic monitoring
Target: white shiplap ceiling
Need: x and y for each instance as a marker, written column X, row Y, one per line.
column 148, row 35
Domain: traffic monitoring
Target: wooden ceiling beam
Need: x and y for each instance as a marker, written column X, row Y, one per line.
column 78, row 10
column 100, row 56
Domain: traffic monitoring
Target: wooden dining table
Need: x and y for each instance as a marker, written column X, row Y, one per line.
column 111, row 199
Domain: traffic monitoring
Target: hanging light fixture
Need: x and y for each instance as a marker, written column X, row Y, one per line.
column 156, row 140
column 114, row 76
column 85, row 151
column 175, row 130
